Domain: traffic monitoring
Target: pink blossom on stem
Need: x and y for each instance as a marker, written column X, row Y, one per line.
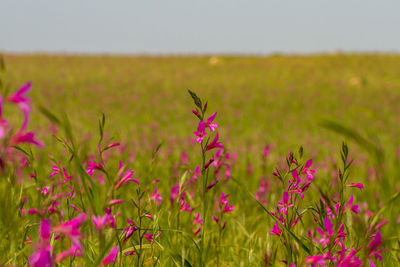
column 214, row 143
column 156, row 197
column 111, row 257
column 200, row 133
column 358, row 185
column 210, row 124
column 42, row 256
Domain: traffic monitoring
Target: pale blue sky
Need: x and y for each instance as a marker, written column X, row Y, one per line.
column 189, row 26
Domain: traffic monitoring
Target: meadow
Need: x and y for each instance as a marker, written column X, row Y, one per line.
column 109, row 160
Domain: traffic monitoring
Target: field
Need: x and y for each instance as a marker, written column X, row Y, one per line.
column 273, row 114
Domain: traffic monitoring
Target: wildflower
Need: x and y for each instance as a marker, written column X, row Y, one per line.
column 100, row 222
column 115, row 202
column 92, row 166
column 127, row 177
column 198, row 220
column 42, row 256
column 156, row 197
column 349, row 205
column 76, row 250
column 214, row 143
column 266, row 151
column 358, row 185
column 149, row 237
column 373, row 245
column 210, row 124
column 223, row 201
column 284, row 204
column 195, row 176
column 175, row 192
column 200, row 132
column 306, row 170
column 71, row 227
column 111, row 257
column 20, row 98
column 276, row 230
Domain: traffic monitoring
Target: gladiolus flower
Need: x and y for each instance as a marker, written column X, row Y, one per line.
column 156, row 197
column 214, row 143
column 358, row 185
column 200, row 132
column 210, row 124
column 42, row 256
column 111, row 257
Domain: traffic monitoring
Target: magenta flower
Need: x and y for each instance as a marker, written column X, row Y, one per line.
column 284, row 204
column 200, row 132
column 25, row 138
column 71, row 227
column 115, row 202
column 266, row 151
column 210, row 124
column 307, row 170
column 111, row 257
column 149, row 237
column 358, row 185
column 214, row 143
column 92, row 166
column 42, row 256
column 156, row 197
column 127, row 177
column 349, row 205
column 373, row 245
column 100, row 222
column 195, row 176
column 198, row 220
column 175, row 192
column 20, row 98
column 224, row 203
column 276, row 230
column 76, row 250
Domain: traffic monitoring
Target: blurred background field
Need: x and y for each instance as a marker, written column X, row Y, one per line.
column 276, row 100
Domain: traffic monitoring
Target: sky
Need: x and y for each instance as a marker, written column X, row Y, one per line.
column 199, row 26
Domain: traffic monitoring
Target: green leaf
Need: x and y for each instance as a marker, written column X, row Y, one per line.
column 49, row 115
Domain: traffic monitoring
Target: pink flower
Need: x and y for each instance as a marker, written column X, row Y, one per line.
column 375, row 242
column 284, row 204
column 156, row 197
column 93, row 166
column 101, row 222
column 20, row 98
column 276, row 230
column 175, row 192
column 115, row 202
column 25, row 138
column 307, row 170
column 111, row 257
column 210, row 124
column 224, row 203
column 76, row 250
column 214, row 143
column 358, row 185
column 349, row 205
column 42, row 256
column 149, row 237
column 200, row 132
column 127, row 177
column 198, row 220
column 71, row 227
column 195, row 176
column 266, row 151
